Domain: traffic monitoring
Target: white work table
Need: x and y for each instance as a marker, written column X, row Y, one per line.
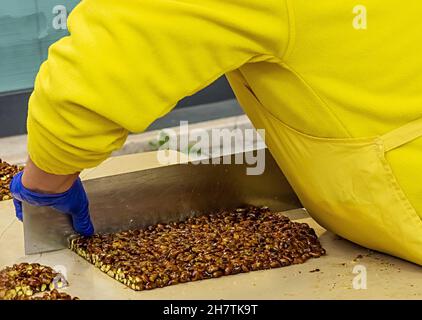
column 387, row 277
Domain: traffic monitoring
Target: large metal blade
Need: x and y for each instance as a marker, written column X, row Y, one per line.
column 165, row 194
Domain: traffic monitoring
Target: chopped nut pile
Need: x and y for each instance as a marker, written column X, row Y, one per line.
column 7, row 172
column 52, row 295
column 203, row 247
column 24, row 280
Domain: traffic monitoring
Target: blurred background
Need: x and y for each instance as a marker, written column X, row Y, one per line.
column 29, row 27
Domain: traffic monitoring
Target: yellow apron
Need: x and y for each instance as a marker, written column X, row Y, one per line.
column 347, row 185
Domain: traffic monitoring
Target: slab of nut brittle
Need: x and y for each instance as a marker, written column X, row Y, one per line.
column 23, row 281
column 203, row 247
column 7, row 172
column 52, row 295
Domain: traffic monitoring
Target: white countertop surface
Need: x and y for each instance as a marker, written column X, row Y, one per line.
column 387, row 277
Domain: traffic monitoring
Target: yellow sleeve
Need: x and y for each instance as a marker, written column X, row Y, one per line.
column 128, row 62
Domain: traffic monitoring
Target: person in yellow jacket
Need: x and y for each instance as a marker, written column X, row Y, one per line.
column 337, row 85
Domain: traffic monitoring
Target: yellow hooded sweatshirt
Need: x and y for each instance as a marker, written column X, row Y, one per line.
column 336, row 84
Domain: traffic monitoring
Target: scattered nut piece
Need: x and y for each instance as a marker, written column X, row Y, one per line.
column 7, row 172
column 358, row 257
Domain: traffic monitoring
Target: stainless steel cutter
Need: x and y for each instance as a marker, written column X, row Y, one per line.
column 170, row 193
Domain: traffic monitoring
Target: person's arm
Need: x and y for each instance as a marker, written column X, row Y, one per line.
column 128, row 62
column 125, row 64
column 40, row 181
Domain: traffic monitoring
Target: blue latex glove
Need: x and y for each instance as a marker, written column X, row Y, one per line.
column 73, row 202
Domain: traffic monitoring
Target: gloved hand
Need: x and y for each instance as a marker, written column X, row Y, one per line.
column 73, row 202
